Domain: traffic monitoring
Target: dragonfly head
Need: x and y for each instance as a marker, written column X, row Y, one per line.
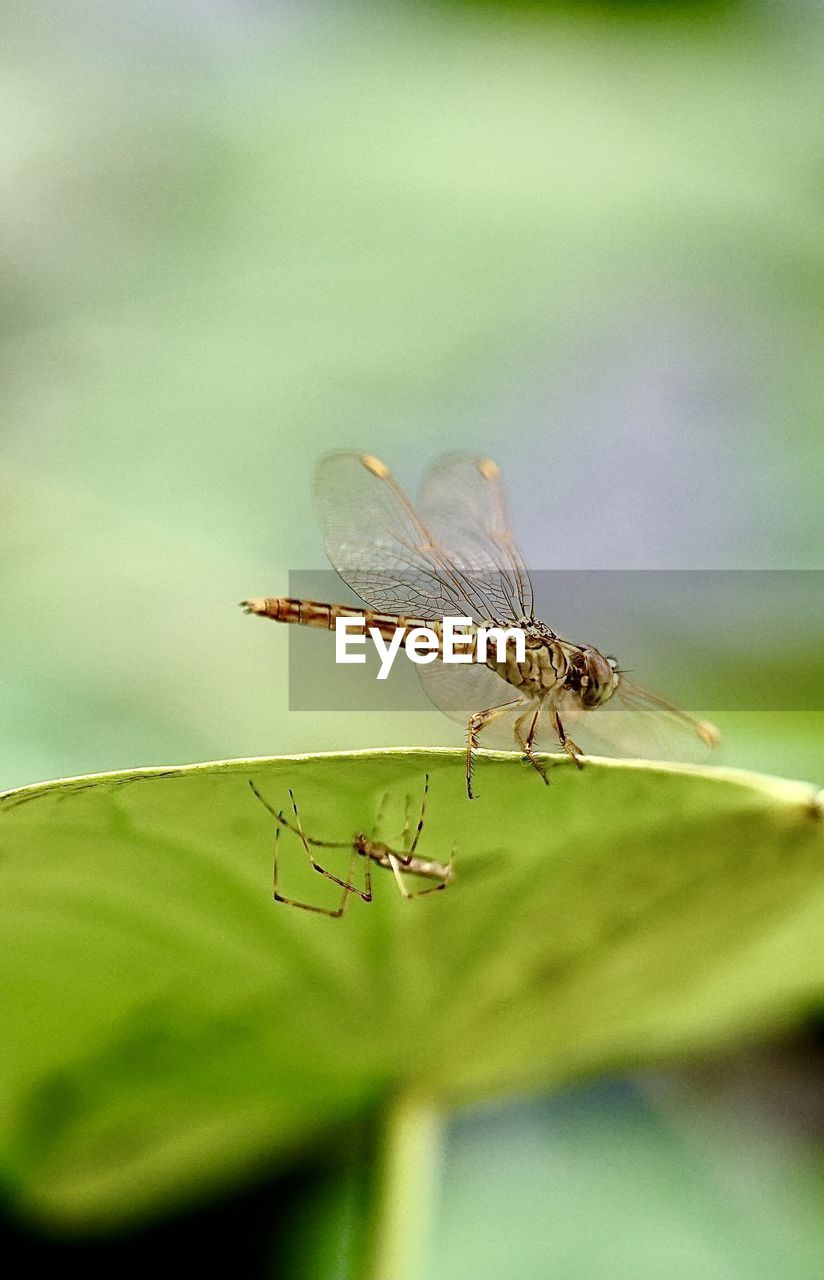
column 593, row 677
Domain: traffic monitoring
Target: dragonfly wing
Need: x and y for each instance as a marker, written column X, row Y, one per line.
column 464, row 504
column 638, row 724
column 382, row 547
column 462, row 689
column 459, row 691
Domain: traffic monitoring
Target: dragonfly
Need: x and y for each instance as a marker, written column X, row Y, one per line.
column 453, row 553
column 401, row 862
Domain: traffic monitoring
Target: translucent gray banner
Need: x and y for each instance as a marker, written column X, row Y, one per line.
column 709, row 640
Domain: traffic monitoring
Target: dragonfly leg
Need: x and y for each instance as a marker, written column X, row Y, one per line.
column 478, row 722
column 334, row 912
column 571, row 748
column 527, row 743
column 308, row 842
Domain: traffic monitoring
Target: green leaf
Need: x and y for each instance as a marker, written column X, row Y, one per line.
column 168, row 1027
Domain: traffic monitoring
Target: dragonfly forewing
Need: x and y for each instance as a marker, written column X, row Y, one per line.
column 422, row 562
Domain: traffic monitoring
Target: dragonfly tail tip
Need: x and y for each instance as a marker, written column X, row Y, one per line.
column 253, row 606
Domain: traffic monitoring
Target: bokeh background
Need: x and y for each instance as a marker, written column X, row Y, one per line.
column 584, row 239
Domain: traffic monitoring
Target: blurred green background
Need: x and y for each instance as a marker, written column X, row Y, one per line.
column 584, row 239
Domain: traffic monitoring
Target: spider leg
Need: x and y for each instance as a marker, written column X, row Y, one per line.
column 308, row 843
column 336, row 912
column 421, row 817
column 407, row 856
column 296, row 830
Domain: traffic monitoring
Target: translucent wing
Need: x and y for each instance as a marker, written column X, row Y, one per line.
column 385, row 550
column 461, row 691
column 463, row 503
column 635, row 723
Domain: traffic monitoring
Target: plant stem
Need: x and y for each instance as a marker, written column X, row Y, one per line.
column 404, row 1190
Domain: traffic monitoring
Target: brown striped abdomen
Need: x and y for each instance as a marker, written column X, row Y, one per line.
column 312, row 613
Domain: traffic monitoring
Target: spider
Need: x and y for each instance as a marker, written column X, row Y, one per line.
column 400, row 862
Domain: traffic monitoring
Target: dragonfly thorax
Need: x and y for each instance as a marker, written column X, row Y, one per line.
column 544, row 665
column 554, row 665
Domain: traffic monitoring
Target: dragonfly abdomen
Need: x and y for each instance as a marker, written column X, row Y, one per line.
column 313, row 613
column 543, row 668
